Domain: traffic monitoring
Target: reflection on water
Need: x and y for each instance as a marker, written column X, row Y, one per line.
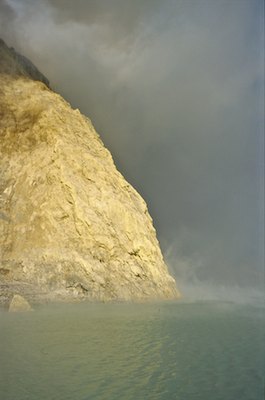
column 160, row 351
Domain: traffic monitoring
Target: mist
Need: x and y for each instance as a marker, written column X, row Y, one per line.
column 176, row 91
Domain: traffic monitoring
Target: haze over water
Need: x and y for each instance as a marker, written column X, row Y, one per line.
column 179, row 350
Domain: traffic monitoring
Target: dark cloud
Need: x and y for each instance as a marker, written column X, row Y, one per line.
column 7, row 12
column 117, row 20
column 7, row 20
column 175, row 89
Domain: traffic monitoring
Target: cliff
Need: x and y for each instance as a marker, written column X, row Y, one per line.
column 71, row 227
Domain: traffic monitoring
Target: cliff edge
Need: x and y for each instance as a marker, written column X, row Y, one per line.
column 71, row 227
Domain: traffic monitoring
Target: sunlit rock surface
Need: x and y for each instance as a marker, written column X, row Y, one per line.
column 19, row 304
column 71, row 227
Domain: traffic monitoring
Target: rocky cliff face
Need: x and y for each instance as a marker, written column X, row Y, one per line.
column 71, row 227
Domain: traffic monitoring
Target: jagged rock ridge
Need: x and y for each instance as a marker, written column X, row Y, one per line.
column 15, row 64
column 71, row 227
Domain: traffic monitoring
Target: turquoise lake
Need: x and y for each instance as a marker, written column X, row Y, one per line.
column 186, row 351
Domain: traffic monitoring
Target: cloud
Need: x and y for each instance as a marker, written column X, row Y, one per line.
column 117, row 21
column 7, row 18
column 175, row 88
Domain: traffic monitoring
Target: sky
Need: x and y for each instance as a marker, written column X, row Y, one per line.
column 175, row 88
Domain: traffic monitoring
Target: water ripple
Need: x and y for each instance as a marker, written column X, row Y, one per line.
column 105, row 352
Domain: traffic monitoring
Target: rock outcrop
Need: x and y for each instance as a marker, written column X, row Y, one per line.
column 71, row 227
column 19, row 304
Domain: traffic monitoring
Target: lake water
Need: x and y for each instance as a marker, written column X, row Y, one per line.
column 186, row 351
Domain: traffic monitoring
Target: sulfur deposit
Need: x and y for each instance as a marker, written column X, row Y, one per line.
column 71, row 227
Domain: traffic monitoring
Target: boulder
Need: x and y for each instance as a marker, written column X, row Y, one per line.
column 19, row 304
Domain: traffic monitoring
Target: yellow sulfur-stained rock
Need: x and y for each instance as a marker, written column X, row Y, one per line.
column 71, row 227
column 19, row 304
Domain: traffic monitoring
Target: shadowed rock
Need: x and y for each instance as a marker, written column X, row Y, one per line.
column 15, row 64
